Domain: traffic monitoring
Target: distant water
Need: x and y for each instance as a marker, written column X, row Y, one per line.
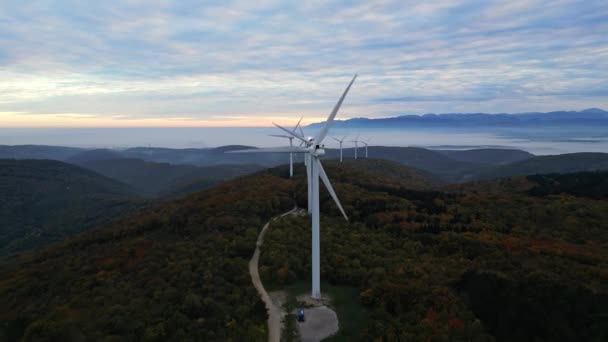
column 535, row 140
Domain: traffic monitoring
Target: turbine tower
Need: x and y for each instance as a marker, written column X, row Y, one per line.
column 290, row 137
column 313, row 149
column 340, row 141
column 356, row 141
column 366, row 143
column 306, row 163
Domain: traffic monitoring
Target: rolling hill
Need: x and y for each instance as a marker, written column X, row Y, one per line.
column 442, row 166
column 167, row 165
column 90, row 156
column 205, row 156
column 163, row 179
column 561, row 163
column 44, row 201
column 492, row 156
column 418, row 263
column 38, row 152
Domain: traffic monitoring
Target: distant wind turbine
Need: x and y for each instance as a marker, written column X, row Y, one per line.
column 356, row 141
column 313, row 149
column 340, row 141
column 290, row 137
column 366, row 143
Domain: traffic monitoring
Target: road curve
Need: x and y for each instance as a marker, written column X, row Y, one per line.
column 274, row 313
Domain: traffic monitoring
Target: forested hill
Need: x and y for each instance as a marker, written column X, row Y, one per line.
column 561, row 163
column 414, row 262
column 491, row 156
column 174, row 272
column 43, row 201
column 164, row 179
column 440, row 165
column 38, row 152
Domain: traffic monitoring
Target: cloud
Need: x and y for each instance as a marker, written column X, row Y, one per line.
column 184, row 59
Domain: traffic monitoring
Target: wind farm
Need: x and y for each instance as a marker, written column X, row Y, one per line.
column 304, row 171
column 340, row 141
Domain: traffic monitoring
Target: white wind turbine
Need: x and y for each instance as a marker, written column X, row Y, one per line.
column 290, row 137
column 313, row 149
column 340, row 141
column 356, row 141
column 366, row 143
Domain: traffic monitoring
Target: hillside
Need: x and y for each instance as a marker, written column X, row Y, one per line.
column 464, row 266
column 93, row 156
column 160, row 179
column 38, row 152
column 417, row 264
column 493, row 156
column 561, row 163
column 171, row 164
column 43, row 201
column 442, row 166
column 205, row 156
column 177, row 271
column 206, row 177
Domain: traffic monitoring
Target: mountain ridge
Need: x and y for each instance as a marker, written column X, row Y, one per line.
column 583, row 117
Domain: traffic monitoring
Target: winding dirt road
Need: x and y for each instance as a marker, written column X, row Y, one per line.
column 275, row 313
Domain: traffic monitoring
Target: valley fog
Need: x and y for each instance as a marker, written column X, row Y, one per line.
column 539, row 141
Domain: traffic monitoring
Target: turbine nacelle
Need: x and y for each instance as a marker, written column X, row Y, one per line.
column 317, row 150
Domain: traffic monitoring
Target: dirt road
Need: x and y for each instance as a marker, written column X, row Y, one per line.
column 275, row 314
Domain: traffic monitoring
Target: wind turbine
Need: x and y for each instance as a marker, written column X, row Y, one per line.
column 313, row 149
column 340, row 141
column 356, row 141
column 366, row 143
column 308, row 174
column 290, row 137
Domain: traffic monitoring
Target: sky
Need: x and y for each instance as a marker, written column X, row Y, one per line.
column 157, row 63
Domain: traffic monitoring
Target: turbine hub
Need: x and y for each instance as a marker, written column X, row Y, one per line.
column 318, row 151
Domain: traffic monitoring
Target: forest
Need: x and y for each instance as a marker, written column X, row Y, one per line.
column 44, row 201
column 519, row 258
column 174, row 272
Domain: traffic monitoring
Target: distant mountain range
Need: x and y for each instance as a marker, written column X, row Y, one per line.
column 591, row 116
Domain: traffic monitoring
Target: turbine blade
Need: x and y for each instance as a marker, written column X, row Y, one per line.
column 330, row 188
column 298, row 125
column 301, row 131
column 280, row 136
column 338, row 140
column 332, row 115
column 286, row 149
column 294, row 134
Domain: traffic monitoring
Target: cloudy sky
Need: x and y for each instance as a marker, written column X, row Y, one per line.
column 247, row 63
